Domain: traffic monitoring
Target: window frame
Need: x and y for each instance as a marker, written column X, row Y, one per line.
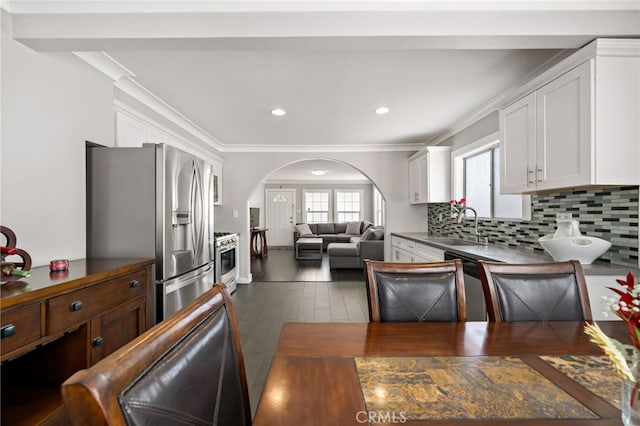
column 329, row 204
column 360, row 192
column 378, row 207
column 479, row 146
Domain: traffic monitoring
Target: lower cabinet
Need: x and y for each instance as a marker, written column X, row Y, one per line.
column 405, row 250
column 116, row 327
column 402, row 256
column 54, row 324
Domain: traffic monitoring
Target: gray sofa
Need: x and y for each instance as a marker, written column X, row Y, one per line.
column 347, row 251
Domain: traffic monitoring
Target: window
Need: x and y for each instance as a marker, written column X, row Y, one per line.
column 477, row 178
column 348, row 206
column 316, row 206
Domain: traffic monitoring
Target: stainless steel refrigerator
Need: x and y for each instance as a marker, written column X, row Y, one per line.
column 154, row 202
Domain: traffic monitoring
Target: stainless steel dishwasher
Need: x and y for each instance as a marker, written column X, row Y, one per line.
column 476, row 308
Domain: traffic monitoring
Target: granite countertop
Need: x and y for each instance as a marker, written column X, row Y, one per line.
column 500, row 253
column 482, row 388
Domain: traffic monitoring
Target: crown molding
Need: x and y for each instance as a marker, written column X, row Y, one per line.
column 616, row 47
column 497, row 102
column 202, row 150
column 324, row 148
column 541, row 75
column 320, row 182
column 105, row 64
column 124, row 80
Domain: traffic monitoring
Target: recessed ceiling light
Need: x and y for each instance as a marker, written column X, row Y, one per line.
column 318, row 172
column 278, row 111
column 381, row 110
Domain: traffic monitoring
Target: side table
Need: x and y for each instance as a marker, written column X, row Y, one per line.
column 258, row 244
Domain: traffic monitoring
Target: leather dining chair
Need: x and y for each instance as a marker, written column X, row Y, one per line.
column 187, row 369
column 535, row 292
column 415, row 292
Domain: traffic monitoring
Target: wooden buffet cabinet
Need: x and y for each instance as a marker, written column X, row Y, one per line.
column 54, row 324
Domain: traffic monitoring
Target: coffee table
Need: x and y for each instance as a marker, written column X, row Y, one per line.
column 309, row 248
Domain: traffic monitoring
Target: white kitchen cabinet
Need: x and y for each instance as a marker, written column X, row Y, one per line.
column 129, row 131
column 217, row 183
column 564, row 130
column 427, row 253
column 402, row 249
column 401, row 256
column 576, row 130
column 546, row 136
column 430, row 176
column 418, row 179
column 409, row 251
column 518, row 145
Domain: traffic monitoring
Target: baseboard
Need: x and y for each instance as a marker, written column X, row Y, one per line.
column 245, row 280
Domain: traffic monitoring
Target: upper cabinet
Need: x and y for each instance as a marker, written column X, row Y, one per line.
column 430, row 175
column 134, row 132
column 217, row 183
column 579, row 129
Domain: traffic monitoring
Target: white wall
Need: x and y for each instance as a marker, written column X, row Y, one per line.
column 51, row 104
column 245, row 171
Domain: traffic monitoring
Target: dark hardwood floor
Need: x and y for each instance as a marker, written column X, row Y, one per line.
column 291, row 291
column 281, row 265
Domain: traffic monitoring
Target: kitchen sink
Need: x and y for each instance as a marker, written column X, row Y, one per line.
column 451, row 241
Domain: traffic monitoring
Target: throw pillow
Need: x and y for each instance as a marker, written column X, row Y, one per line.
column 366, row 225
column 368, row 235
column 378, row 232
column 353, row 228
column 303, row 229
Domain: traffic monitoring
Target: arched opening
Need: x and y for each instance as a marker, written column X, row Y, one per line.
column 311, row 191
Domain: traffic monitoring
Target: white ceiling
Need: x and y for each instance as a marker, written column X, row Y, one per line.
column 222, row 66
column 329, row 95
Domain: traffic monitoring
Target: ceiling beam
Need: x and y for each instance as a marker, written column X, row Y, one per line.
column 390, row 29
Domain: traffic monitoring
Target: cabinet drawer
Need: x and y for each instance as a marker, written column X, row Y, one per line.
column 428, row 252
column 77, row 307
column 402, row 243
column 20, row 327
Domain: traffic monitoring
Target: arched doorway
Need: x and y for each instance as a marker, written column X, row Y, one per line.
column 314, row 190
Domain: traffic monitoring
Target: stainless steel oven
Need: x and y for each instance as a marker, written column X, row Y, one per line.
column 226, row 264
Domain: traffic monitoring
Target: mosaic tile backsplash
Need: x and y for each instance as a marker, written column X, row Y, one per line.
column 610, row 214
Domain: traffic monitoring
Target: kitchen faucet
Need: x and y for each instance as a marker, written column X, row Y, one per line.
column 475, row 224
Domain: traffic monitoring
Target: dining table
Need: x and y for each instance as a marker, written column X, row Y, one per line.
column 441, row 373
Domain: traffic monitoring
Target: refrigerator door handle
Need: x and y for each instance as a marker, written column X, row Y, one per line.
column 199, row 217
column 192, row 206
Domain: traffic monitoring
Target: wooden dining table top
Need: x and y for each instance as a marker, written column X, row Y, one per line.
column 473, row 373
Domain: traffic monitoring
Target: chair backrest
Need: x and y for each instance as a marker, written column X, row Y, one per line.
column 188, row 369
column 535, row 292
column 415, row 292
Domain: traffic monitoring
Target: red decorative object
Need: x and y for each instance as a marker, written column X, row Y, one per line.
column 13, row 269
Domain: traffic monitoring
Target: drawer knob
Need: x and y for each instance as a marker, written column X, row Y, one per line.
column 98, row 341
column 133, row 283
column 75, row 306
column 7, row 330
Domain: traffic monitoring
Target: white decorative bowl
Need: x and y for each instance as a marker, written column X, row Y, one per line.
column 583, row 249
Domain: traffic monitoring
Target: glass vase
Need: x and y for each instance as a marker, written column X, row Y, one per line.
column 630, row 403
column 630, row 398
